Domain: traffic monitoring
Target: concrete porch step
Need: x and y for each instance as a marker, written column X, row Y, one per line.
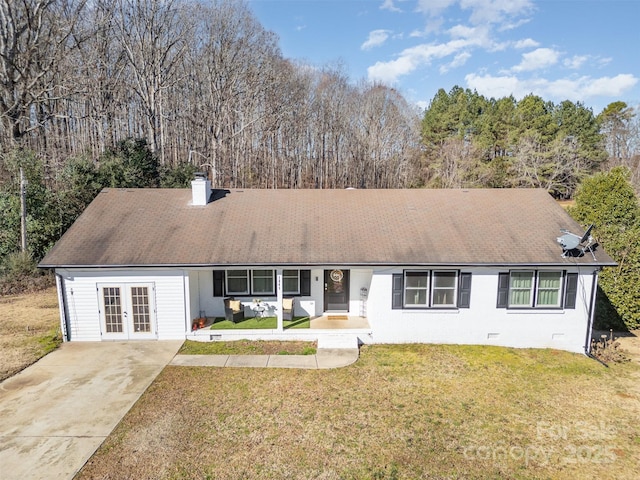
column 338, row 341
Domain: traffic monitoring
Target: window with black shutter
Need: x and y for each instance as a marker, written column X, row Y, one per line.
column 218, row 283
column 397, row 290
column 503, row 290
column 571, row 290
column 421, row 289
column 464, row 291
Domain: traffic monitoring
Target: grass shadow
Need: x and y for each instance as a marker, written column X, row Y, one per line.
column 252, row 323
column 297, row 322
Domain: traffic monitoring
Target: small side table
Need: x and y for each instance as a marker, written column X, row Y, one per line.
column 259, row 308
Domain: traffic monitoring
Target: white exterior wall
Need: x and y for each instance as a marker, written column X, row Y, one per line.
column 81, row 297
column 181, row 295
column 482, row 323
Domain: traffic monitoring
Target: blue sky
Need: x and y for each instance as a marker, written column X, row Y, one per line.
column 580, row 50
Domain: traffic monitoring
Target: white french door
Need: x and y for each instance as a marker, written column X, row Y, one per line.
column 127, row 311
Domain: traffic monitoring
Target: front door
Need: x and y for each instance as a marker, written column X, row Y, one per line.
column 336, row 290
column 127, row 311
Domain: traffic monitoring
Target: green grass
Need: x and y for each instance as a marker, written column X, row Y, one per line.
column 51, row 340
column 248, row 347
column 220, row 323
column 401, row 412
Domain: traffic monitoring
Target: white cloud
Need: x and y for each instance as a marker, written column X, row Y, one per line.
column 476, row 32
column 496, row 11
column 376, row 38
column 482, row 12
column 412, row 58
column 496, row 87
column 575, row 62
column 537, row 59
column 609, row 86
column 604, row 61
column 526, row 43
column 458, row 61
column 462, row 31
column 479, row 36
column 434, row 7
column 389, row 5
column 574, row 89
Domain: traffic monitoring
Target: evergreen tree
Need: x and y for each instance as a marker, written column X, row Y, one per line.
column 608, row 201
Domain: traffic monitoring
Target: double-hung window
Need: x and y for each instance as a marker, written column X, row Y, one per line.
column 237, row 282
column 416, row 288
column 521, row 288
column 444, row 291
column 549, row 289
column 262, row 282
column 431, row 289
column 536, row 289
column 291, row 282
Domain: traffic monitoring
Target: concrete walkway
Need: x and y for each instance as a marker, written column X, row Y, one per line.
column 57, row 412
column 324, row 358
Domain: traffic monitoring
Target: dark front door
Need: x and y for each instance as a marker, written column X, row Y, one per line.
column 336, row 290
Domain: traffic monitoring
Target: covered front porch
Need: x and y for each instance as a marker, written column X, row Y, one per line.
column 279, row 300
column 323, row 322
column 317, row 328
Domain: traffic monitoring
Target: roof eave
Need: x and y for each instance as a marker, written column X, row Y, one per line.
column 335, row 264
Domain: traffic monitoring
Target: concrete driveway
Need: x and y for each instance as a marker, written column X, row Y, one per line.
column 56, row 413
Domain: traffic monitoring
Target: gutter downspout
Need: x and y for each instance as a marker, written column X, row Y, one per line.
column 62, row 305
column 592, row 314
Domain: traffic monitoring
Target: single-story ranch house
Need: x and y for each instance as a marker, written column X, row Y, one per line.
column 477, row 266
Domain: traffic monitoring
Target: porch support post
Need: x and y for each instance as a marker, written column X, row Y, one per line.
column 279, row 294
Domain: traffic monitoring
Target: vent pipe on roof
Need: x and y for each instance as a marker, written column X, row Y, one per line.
column 200, row 189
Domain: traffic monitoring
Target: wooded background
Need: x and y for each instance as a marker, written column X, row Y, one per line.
column 141, row 93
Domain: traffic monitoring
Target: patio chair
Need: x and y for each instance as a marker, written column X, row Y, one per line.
column 233, row 310
column 287, row 308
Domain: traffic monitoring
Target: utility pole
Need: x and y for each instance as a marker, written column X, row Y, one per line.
column 23, row 211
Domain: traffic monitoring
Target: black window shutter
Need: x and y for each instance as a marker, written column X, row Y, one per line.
column 571, row 290
column 218, row 283
column 305, row 283
column 396, row 301
column 464, row 290
column 503, row 290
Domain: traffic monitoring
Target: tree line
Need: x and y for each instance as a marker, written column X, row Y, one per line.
column 201, row 82
column 471, row 141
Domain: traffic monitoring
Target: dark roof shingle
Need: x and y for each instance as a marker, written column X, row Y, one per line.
column 157, row 227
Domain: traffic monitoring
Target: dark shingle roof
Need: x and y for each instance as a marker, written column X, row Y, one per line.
column 156, row 227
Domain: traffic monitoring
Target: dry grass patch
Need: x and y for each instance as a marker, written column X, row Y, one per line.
column 29, row 329
column 400, row 412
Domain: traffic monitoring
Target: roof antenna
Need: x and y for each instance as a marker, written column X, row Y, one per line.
column 570, row 242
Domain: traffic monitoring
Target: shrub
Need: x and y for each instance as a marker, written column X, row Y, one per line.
column 19, row 274
column 607, row 349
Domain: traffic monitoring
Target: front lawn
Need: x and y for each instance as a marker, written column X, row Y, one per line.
column 400, row 412
column 220, row 323
column 29, row 329
column 248, row 347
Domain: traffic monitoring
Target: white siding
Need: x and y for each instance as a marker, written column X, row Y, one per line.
column 181, row 295
column 483, row 323
column 82, row 300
